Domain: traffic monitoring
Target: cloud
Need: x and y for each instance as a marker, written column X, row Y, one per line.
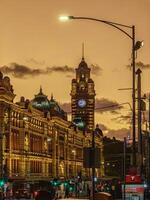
column 35, row 62
column 140, row 65
column 22, row 71
column 103, row 105
column 127, row 119
column 66, row 107
column 63, row 69
column 96, row 69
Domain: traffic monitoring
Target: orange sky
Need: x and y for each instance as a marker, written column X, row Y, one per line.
column 31, row 35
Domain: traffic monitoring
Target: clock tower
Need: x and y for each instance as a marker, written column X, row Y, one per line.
column 83, row 97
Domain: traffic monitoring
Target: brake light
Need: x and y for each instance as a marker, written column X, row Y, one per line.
column 35, row 193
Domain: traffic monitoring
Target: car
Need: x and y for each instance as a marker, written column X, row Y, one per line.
column 22, row 193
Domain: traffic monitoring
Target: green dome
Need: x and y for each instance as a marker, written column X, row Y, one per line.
column 41, row 102
column 54, row 105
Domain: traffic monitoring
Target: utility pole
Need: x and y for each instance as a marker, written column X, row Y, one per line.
column 148, row 144
column 149, row 110
column 133, row 98
column 97, row 131
column 93, row 166
column 140, row 161
column 124, row 168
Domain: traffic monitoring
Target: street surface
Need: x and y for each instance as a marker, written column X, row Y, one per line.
column 60, row 199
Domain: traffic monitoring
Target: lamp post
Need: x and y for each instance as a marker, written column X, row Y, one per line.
column 135, row 47
column 97, row 131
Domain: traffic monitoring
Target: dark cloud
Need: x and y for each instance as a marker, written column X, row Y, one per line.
column 60, row 69
column 22, row 71
column 103, row 105
column 66, row 107
column 127, row 119
column 140, row 65
column 96, row 69
column 35, row 62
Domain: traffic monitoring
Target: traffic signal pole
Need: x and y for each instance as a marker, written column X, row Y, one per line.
column 140, row 157
column 124, row 168
column 93, row 166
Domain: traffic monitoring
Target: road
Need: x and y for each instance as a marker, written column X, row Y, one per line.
column 60, row 199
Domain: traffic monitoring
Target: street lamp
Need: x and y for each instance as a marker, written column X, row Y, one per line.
column 95, row 132
column 135, row 47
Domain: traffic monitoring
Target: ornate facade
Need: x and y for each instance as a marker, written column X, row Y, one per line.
column 36, row 140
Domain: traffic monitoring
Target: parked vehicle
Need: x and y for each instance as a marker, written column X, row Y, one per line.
column 22, row 193
column 21, row 189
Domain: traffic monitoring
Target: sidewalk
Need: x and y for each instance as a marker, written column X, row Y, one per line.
column 74, row 199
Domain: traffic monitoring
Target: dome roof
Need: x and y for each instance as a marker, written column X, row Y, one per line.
column 54, row 105
column 41, row 102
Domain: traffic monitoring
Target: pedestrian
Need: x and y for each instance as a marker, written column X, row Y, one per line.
column 67, row 192
column 113, row 190
column 88, row 190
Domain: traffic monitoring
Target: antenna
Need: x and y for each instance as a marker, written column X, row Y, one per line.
column 82, row 51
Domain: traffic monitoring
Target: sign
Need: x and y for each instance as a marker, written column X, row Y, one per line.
column 133, row 179
column 133, row 191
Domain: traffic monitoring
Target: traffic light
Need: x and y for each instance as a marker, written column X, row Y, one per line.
column 2, row 182
column 55, row 182
column 66, row 184
column 71, row 188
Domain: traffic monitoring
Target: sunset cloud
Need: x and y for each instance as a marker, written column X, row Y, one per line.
column 103, row 105
column 96, row 69
column 140, row 65
column 23, row 71
column 66, row 107
column 123, row 118
column 35, row 62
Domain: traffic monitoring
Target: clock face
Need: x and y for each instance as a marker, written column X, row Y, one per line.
column 82, row 103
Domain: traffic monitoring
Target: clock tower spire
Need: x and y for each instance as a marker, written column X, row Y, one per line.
column 82, row 51
column 83, row 97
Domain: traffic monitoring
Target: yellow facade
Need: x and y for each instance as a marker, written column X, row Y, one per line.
column 38, row 147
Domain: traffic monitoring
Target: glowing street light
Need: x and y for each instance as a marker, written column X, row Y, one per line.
column 64, row 18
